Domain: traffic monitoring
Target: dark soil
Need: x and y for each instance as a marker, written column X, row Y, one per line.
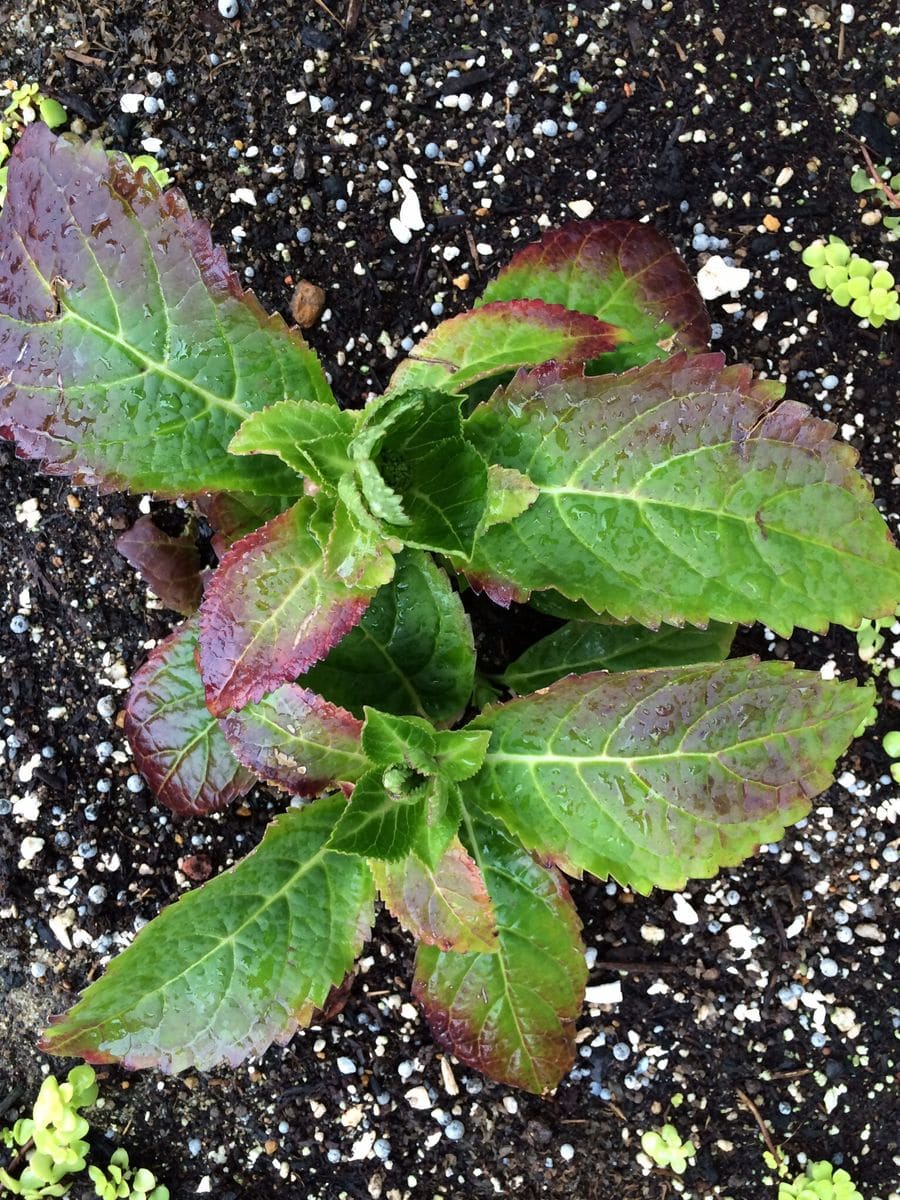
column 705, row 107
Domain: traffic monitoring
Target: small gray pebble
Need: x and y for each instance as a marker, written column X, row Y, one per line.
column 334, row 1155
column 828, row 967
column 432, row 150
column 106, row 706
column 567, row 1151
column 455, row 1130
column 103, row 785
column 18, row 624
column 228, row 9
column 621, row 1051
column 328, row 104
column 405, row 69
column 830, row 382
column 194, row 1147
column 346, row 1066
column 304, row 235
column 549, row 127
column 97, row 894
column 135, row 784
column 38, row 970
column 382, row 1148
column 384, row 186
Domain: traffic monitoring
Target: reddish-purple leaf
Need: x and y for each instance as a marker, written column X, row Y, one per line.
column 624, row 273
column 178, row 746
column 446, row 905
column 169, row 565
column 270, row 612
column 235, row 514
column 297, row 740
column 498, row 338
column 129, row 353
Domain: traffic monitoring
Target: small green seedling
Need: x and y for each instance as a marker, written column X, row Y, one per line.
column 862, row 181
column 819, row 1181
column 159, row 172
column 52, row 1142
column 26, row 104
column 866, row 288
column 122, row 1180
column 665, row 1148
column 891, row 743
column 55, row 1132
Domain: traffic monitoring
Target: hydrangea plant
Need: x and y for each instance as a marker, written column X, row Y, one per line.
column 570, row 444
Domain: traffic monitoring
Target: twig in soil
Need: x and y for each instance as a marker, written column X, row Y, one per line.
column 892, row 198
column 324, row 7
column 763, row 1128
column 354, row 8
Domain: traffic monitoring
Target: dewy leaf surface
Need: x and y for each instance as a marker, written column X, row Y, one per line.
column 679, row 492
column 178, row 746
column 511, row 1013
column 309, row 437
column 379, row 822
column 298, row 741
column 624, row 273
column 446, row 906
column 234, row 965
column 498, row 338
column 169, row 565
column 412, row 652
column 235, row 514
column 657, row 777
column 270, row 612
column 583, row 646
column 129, row 354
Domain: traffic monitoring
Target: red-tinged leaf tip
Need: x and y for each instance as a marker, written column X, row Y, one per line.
column 623, row 272
column 298, row 741
column 170, row 565
column 177, row 745
column 129, row 354
column 270, row 612
column 497, row 338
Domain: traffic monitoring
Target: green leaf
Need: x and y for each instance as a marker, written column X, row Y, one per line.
column 446, row 905
column 683, row 492
column 390, row 740
column 455, row 754
column 297, row 740
column 624, row 273
column 355, row 553
column 418, row 472
column 234, row 965
column 656, row 777
column 511, row 1013
column 583, row 646
column 177, row 745
column 383, row 816
column 510, row 493
column 309, row 437
column 129, row 353
column 497, row 339
column 270, row 612
column 412, row 652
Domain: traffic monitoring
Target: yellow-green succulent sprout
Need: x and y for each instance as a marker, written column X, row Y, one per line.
column 666, row 1148
column 819, row 1181
column 867, row 289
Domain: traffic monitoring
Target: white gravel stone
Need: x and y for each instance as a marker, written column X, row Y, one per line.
column 418, row 1098
column 400, row 231
column 31, row 848
column 581, row 208
column 715, row 278
column 131, row 102
column 684, row 910
column 604, row 993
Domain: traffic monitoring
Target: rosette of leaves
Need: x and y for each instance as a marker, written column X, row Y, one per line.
column 568, row 443
column 122, row 1180
column 53, row 1136
column 867, row 289
column 819, row 1181
column 862, row 181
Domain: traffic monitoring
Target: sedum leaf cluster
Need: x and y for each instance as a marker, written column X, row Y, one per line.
column 867, row 289
column 569, row 445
